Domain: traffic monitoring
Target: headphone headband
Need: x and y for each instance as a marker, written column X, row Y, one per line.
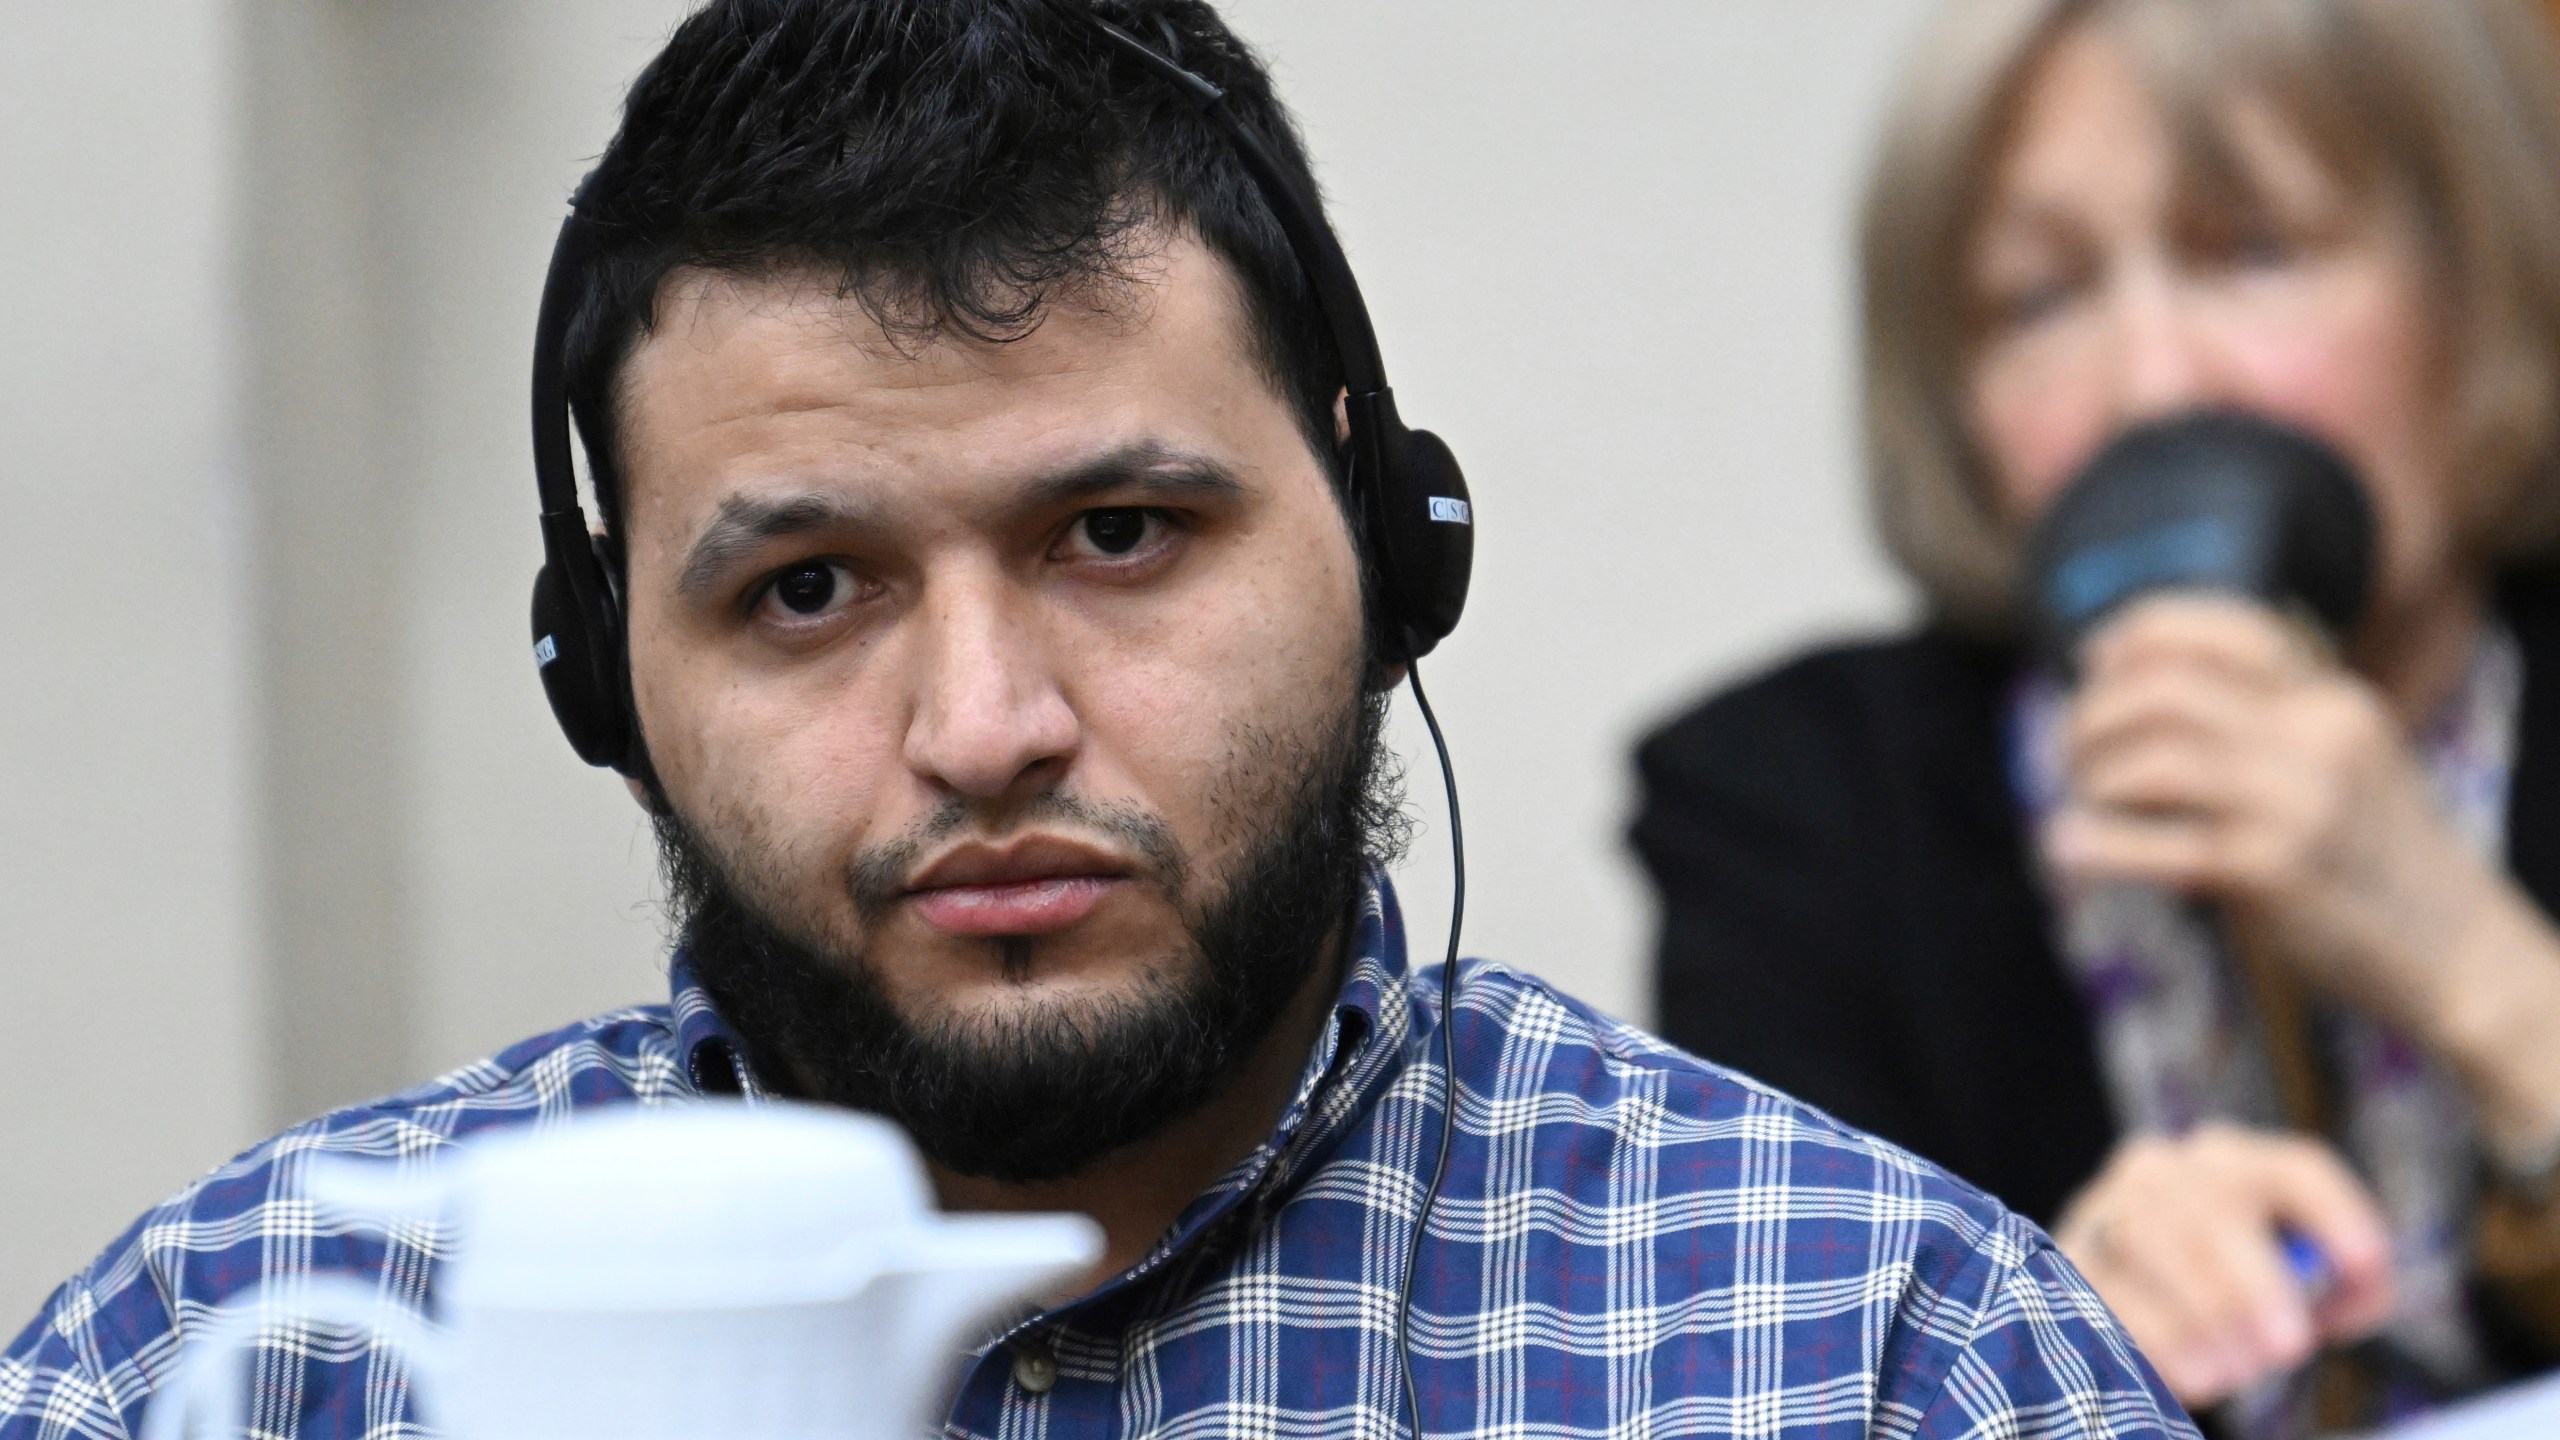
column 1319, row 254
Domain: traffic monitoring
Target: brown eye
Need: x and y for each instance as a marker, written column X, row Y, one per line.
column 807, row 590
column 2032, row 306
column 1115, row 532
column 2261, row 249
column 810, row 589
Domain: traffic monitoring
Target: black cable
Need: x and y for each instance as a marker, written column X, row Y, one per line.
column 1448, row 1046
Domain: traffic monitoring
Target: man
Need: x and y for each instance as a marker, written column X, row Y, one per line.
column 1006, row 679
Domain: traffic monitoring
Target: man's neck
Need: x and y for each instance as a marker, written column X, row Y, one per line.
column 1136, row 1192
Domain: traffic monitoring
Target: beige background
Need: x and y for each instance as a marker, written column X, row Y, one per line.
column 282, row 819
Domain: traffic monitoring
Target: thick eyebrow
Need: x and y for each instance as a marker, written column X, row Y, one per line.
column 1150, row 471
column 745, row 523
column 1144, row 472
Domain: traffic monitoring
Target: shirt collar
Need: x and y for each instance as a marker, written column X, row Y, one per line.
column 1354, row 1060
column 1361, row 1051
column 1342, row 1073
column 715, row 1060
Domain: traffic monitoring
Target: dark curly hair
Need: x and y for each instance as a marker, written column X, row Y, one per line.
column 956, row 165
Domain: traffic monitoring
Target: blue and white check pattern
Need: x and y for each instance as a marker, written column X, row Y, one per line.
column 1629, row 1242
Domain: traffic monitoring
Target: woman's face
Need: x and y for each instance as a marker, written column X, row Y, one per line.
column 2103, row 297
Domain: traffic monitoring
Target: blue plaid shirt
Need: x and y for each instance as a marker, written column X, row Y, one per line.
column 1629, row 1241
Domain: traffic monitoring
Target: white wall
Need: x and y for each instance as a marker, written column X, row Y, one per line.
column 440, row 876
column 1608, row 248
column 527, row 875
column 126, row 979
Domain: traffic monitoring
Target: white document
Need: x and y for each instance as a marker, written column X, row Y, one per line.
column 2530, row 1411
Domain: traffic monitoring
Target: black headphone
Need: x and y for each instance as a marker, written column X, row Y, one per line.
column 1415, row 521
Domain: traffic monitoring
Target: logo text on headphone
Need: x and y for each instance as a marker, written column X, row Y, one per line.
column 1452, row 512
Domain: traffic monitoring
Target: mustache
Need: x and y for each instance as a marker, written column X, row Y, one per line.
column 1047, row 1091
column 878, row 876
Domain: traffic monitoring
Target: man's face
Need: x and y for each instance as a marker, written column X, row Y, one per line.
column 985, row 672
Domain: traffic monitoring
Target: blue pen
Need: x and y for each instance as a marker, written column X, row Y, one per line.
column 2308, row 1262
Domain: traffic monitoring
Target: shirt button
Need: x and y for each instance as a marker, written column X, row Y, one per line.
column 1036, row 1371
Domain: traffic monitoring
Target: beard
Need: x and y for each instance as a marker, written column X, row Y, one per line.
column 1037, row 1094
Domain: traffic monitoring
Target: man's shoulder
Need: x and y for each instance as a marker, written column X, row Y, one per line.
column 107, row 1333
column 614, row 1058
column 1773, row 1235
column 1705, row 1127
column 621, row 1057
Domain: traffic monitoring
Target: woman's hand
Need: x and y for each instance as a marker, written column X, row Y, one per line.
column 2184, row 1240
column 2214, row 748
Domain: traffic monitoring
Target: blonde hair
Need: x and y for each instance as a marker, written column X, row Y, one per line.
column 2452, row 107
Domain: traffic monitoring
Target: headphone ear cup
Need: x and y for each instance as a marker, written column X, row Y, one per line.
column 578, row 649
column 1425, row 522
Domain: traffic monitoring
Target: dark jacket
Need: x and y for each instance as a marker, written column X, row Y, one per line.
column 1849, row 910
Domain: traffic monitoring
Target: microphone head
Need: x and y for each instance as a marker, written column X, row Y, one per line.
column 2229, row 503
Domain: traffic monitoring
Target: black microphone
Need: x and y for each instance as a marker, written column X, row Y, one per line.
column 2216, row 501
column 2223, row 503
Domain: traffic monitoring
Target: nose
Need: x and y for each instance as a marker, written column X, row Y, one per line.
column 2165, row 361
column 990, row 721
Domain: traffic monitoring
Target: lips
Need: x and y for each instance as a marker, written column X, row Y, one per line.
column 1036, row 885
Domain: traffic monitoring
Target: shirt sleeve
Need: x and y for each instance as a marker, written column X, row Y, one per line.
column 2039, row 1358
column 52, row 1380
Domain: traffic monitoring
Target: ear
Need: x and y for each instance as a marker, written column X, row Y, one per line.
column 640, row 793
column 1342, row 418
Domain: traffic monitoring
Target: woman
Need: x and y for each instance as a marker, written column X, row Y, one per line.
column 2319, row 1114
